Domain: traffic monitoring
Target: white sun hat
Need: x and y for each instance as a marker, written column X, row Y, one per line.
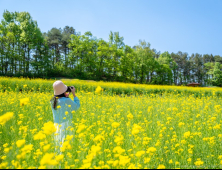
column 59, row 87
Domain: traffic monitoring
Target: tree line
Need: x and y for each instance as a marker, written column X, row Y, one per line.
column 26, row 51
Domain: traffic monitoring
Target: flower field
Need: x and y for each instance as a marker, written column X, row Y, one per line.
column 110, row 88
column 165, row 127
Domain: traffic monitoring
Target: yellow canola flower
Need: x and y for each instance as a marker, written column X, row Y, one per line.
column 115, row 124
column 123, row 160
column 99, row 138
column 31, row 167
column 15, row 163
column 46, row 147
column 19, row 122
column 199, row 162
column 136, row 129
column 5, row 145
column 101, row 162
column 132, row 166
column 59, row 157
column 220, row 157
column 38, row 152
column 65, row 146
column 49, row 128
column 217, row 106
column 130, row 116
column 27, row 148
column 110, row 162
column 146, row 140
column 140, row 153
column 115, row 163
column 39, row 136
column 151, row 150
column 6, row 117
column 181, row 124
column 98, row 90
column 6, row 150
column 187, row 134
column 89, row 158
column 95, row 149
column 118, row 150
column 119, row 139
column 177, row 163
column 3, row 157
column 147, row 160
column 69, row 137
column 189, row 160
column 42, row 167
column 47, row 159
column 3, row 165
column 24, row 101
column 19, row 143
column 217, row 126
column 149, row 108
column 161, row 167
column 85, row 166
column 175, row 109
column 80, row 128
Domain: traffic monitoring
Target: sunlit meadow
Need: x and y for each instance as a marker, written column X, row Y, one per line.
column 142, row 130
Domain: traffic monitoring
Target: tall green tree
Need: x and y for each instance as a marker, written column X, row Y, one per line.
column 145, row 60
column 117, row 46
column 127, row 63
column 83, row 54
column 197, row 72
column 66, row 37
column 89, row 57
column 103, row 58
column 181, row 71
column 166, row 66
column 217, row 74
column 54, row 37
column 20, row 36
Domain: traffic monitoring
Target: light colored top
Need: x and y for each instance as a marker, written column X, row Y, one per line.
column 64, row 109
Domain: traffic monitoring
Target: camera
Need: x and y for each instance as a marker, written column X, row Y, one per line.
column 69, row 89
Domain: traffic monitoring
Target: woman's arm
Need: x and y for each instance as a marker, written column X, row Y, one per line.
column 76, row 103
column 73, row 90
column 73, row 104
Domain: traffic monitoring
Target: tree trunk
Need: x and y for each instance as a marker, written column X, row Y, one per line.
column 2, row 57
column 24, row 60
column 142, row 74
column 27, row 66
column 147, row 78
column 19, row 61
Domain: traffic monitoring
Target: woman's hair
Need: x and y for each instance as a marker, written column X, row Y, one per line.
column 55, row 98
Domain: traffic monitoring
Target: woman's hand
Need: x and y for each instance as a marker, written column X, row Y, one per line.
column 73, row 90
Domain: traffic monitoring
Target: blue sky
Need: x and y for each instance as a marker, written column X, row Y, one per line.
column 192, row 26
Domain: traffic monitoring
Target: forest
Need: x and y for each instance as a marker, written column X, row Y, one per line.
column 64, row 52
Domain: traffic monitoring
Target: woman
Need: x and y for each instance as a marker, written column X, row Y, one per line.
column 62, row 108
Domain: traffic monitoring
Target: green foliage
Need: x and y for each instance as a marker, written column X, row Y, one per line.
column 26, row 51
column 217, row 75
